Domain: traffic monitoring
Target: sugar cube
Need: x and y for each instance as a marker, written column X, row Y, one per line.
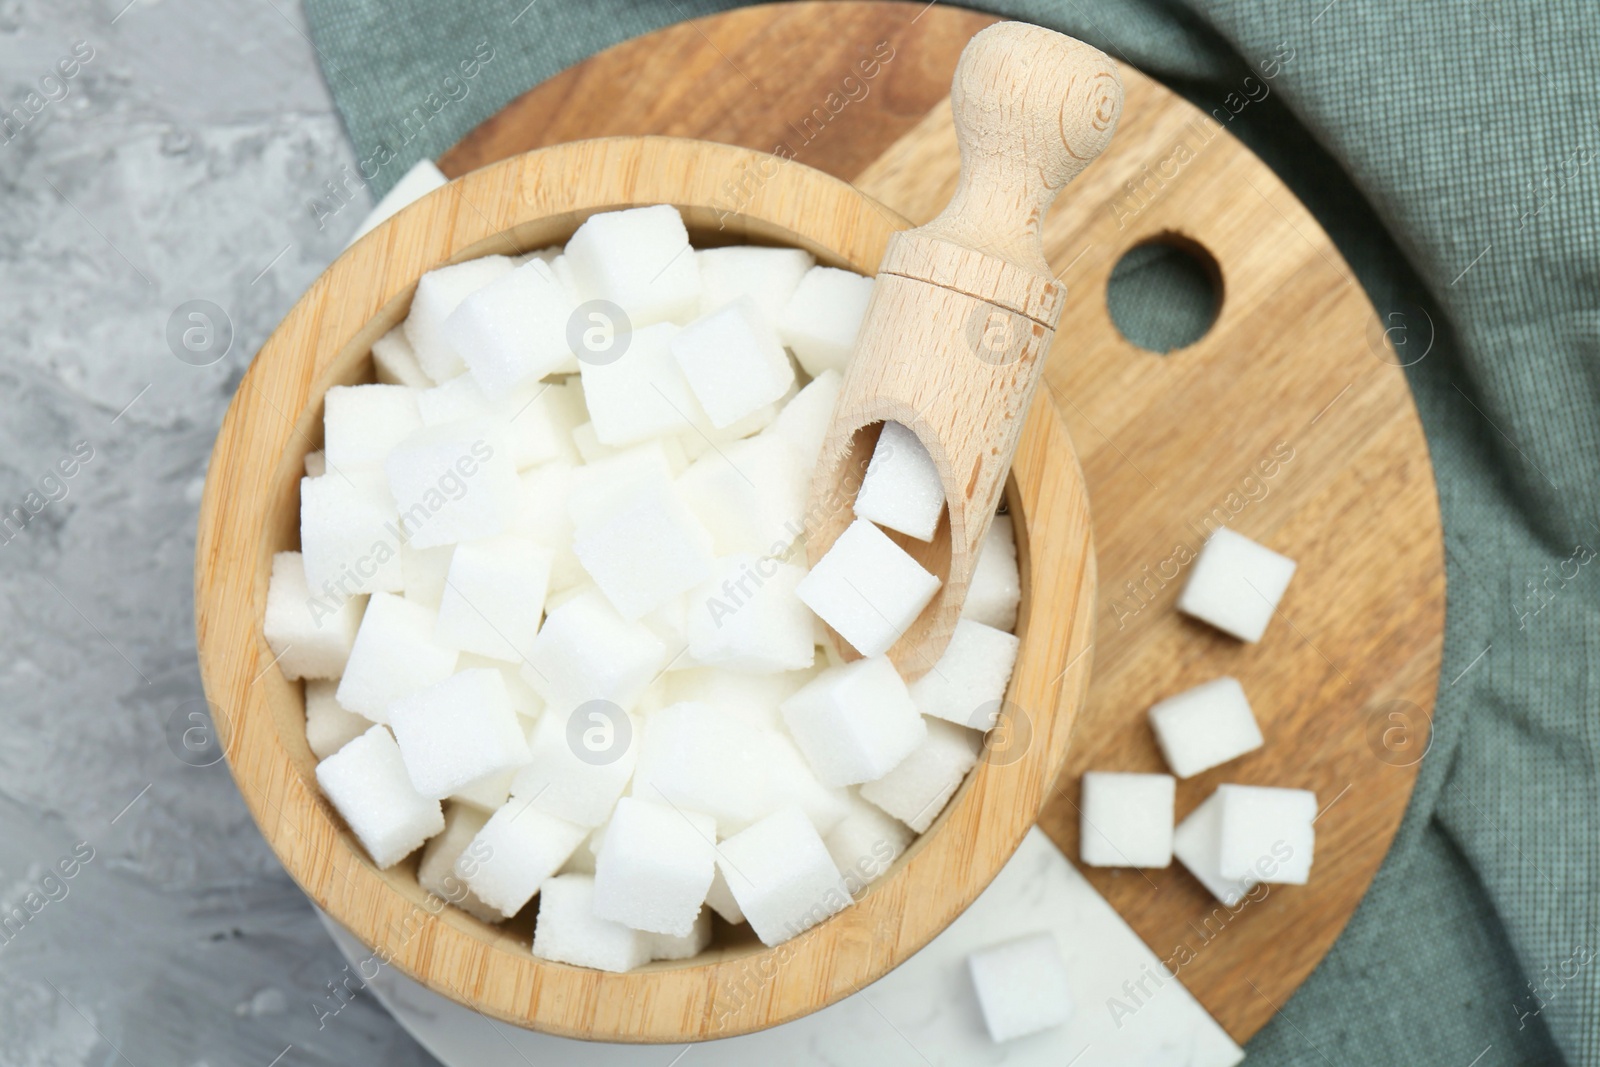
column 457, row 732
column 310, row 634
column 568, row 930
column 1266, row 834
column 579, row 762
column 1205, row 727
column 855, row 723
column 424, row 571
column 367, row 784
column 969, row 681
column 901, row 489
column 1197, row 843
column 586, row 651
column 525, row 700
column 790, row 780
column 733, row 361
column 539, row 418
column 865, row 844
column 602, row 488
column 639, row 259
column 920, row 786
column 804, row 421
column 328, row 726
column 782, row 876
column 513, row 330
column 746, row 617
column 719, row 898
column 667, row 947
column 769, row 276
column 348, row 535
column 753, row 697
column 361, row 423
column 706, row 760
column 641, row 393
column 1236, row 584
column 493, row 597
column 439, row 292
column 822, row 318
column 1126, row 819
column 1022, row 986
column 517, row 850
column 394, row 655
column 868, row 588
column 995, row 590
column 487, row 795
column 654, row 867
column 582, row 859
column 453, row 482
column 436, row 872
column 648, row 551
column 750, row 495
column 395, row 363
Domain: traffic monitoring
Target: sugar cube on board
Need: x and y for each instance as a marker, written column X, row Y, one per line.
column 1205, row 727
column 639, row 259
column 901, row 489
column 1022, row 986
column 394, row 362
column 648, row 551
column 1236, row 584
column 865, row 844
column 920, row 786
column 514, row 329
column 641, row 393
column 654, row 867
column 719, row 898
column 804, row 421
column 515, row 852
column 769, row 276
column 361, row 423
column 394, row 655
column 436, row 872
column 348, row 538
column 822, row 318
column 1266, row 833
column 687, row 947
column 579, row 763
column 439, row 292
column 995, row 591
column 457, row 732
column 310, row 634
column 568, row 930
column 586, row 651
column 969, row 681
column 1197, row 843
column 855, row 723
column 328, row 726
column 453, row 482
column 493, row 597
column 782, row 876
column 424, row 571
column 367, row 784
column 746, row 617
column 867, row 588
column 750, row 495
column 1126, row 819
column 707, row 760
column 733, row 361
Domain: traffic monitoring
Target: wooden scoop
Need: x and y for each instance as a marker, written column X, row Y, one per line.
column 964, row 309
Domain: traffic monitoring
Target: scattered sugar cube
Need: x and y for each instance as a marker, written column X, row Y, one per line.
column 868, row 588
column 328, row 726
column 367, row 784
column 348, row 535
column 395, row 363
column 706, row 760
column 586, row 651
column 782, row 876
column 865, row 844
column 1022, row 986
column 436, row 873
column 822, row 318
column 642, row 393
column 920, row 786
column 494, row 595
column 1197, row 843
column 1126, row 819
column 517, row 850
column 454, row 482
column 458, row 732
column 310, row 635
column 667, row 947
column 804, row 421
column 769, row 276
column 753, row 697
column 746, row 617
column 361, row 423
column 513, row 330
column 995, row 591
column 424, row 571
column 901, row 489
column 1236, row 584
column 733, row 361
column 568, row 930
column 654, row 867
column 579, row 763
column 719, row 898
column 855, row 723
column 1205, row 727
column 394, row 655
column 750, row 495
column 969, row 681
column 439, row 292
column 647, row 552
column 639, row 259
column 423, row 178
column 1266, row 834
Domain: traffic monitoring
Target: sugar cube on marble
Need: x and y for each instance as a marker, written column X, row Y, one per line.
column 1205, row 727
column 804, row 421
column 782, row 876
column 641, row 393
column 395, row 363
column 995, row 591
column 855, row 723
column 750, row 495
column 424, row 571
column 733, row 361
column 868, row 588
column 901, row 489
column 366, row 782
column 768, row 276
column 453, row 482
column 394, row 655
column 361, row 423
column 646, row 552
column 586, row 651
column 822, row 318
column 865, row 844
column 440, row 292
column 1197, row 844
column 568, row 930
column 579, row 763
column 515, row 852
column 707, row 760
column 349, row 540
column 436, row 871
column 310, row 634
column 920, row 786
column 968, row 682
column 457, row 732
column 654, row 867
column 746, row 617
column 1022, row 985
column 493, row 597
column 639, row 259
column 513, row 330
column 1266, row 833
column 1236, row 584
column 687, row 947
column 1126, row 819
column 328, row 726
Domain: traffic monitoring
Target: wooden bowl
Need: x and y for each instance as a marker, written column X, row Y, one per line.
column 251, row 508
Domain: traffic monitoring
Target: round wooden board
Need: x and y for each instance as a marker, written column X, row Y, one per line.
column 1289, row 421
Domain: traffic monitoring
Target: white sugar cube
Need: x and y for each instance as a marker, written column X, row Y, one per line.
column 667, row 947
column 436, row 872
column 348, row 534
column 310, row 634
column 746, row 617
column 782, row 876
column 750, row 495
column 1205, row 727
column 601, row 488
column 367, row 784
column 457, row 732
column 646, row 552
column 707, row 760
column 394, row 362
column 568, row 930
column 493, row 597
column 654, row 867
column 439, row 292
column 328, row 726
column 789, row 779
column 459, row 398
column 589, row 445
column 488, row 795
column 1022, row 986
column 517, row 850
column 424, row 571
column 579, row 763
column 1266, row 834
column 586, row 651
column 1126, row 819
column 1197, row 843
column 513, row 330
column 901, row 489
column 769, row 276
column 423, row 178
column 453, row 482
column 394, row 656
column 995, row 591
column 525, row 700
column 865, row 843
column 639, row 259
column 855, row 723
column 361, row 423
column 868, row 588
column 535, row 420
column 641, row 393
column 1236, row 584
column 719, row 898
column 804, row 421
column 969, row 681
column 753, row 697
column 542, row 517
column 582, row 859
column 822, row 318
column 733, row 361
column 920, row 786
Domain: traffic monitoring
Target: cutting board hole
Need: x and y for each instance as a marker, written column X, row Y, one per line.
column 1164, row 293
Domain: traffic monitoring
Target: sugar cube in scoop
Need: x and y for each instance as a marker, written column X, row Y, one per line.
column 901, row 489
column 868, row 588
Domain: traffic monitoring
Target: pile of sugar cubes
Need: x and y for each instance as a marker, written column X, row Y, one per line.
column 1241, row 836
column 552, row 608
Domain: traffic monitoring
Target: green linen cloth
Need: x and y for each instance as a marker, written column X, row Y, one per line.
column 1450, row 150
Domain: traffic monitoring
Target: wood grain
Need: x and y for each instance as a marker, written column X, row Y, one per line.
column 1171, row 445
